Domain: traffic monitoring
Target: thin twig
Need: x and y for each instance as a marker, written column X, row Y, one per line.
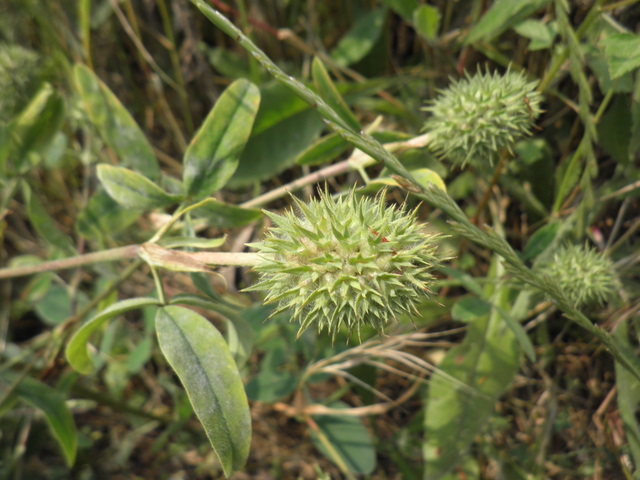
column 120, row 253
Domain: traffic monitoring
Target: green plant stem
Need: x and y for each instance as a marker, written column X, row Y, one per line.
column 494, row 180
column 84, row 19
column 239, row 259
column 114, row 254
column 494, row 242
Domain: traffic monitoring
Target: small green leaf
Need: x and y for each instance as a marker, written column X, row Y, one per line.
column 360, row 39
column 212, row 156
column 228, row 63
column 133, row 190
column 77, row 353
column 329, row 93
column 271, row 386
column 200, row 356
column 614, row 130
column 323, row 150
column 623, row 53
column 240, row 338
column 540, row 240
column 104, row 217
column 45, row 226
column 285, row 126
column 540, row 34
column 404, row 8
column 115, row 124
column 52, row 404
column 57, row 305
column 222, row 215
column 344, row 440
column 502, row 15
column 423, row 176
column 427, row 22
column 469, row 309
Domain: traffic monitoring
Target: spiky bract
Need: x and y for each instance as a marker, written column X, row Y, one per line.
column 478, row 116
column 349, row 262
column 586, row 276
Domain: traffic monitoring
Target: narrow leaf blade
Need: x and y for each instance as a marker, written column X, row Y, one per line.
column 199, row 355
column 51, row 403
column 330, row 94
column 76, row 351
column 133, row 190
column 214, row 152
column 115, row 124
column 350, row 443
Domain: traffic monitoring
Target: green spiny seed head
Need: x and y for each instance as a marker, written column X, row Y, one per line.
column 479, row 116
column 349, row 262
column 586, row 276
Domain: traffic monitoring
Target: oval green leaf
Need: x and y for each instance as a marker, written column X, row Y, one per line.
column 199, row 355
column 224, row 215
column 103, row 217
column 133, row 190
column 426, row 20
column 359, row 41
column 77, row 353
column 344, row 440
column 214, row 152
column 115, row 124
column 323, row 150
column 52, row 404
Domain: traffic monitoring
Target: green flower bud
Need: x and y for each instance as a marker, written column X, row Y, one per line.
column 477, row 117
column 586, row 276
column 348, row 262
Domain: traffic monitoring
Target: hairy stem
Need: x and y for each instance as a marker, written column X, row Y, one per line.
column 120, row 253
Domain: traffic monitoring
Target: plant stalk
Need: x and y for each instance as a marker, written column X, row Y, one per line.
column 111, row 255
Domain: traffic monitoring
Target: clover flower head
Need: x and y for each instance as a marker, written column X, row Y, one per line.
column 346, row 262
column 477, row 117
column 586, row 276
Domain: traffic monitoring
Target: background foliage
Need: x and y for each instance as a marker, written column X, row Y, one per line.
column 100, row 106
